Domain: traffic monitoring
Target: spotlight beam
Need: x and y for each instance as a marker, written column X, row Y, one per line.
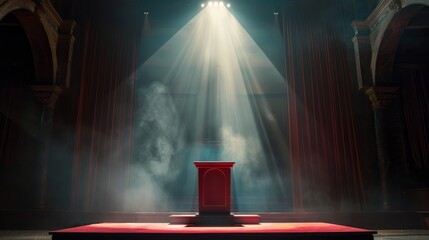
column 214, row 62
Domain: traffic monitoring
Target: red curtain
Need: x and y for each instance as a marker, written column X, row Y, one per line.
column 325, row 161
column 105, row 113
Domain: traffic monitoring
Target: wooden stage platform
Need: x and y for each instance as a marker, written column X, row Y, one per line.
column 158, row 231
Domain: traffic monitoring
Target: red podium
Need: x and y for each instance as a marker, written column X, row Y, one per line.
column 214, row 198
column 214, row 187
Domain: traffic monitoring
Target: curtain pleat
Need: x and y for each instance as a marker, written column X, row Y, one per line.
column 104, row 120
column 326, row 169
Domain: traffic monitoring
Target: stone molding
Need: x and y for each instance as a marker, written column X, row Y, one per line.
column 381, row 97
column 376, row 27
column 47, row 95
column 54, row 38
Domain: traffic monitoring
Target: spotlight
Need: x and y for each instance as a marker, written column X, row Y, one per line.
column 276, row 13
column 214, row 4
column 146, row 13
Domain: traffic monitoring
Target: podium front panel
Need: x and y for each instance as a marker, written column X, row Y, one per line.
column 214, row 187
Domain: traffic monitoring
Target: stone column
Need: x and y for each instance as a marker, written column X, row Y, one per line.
column 381, row 97
column 65, row 47
column 362, row 47
column 47, row 96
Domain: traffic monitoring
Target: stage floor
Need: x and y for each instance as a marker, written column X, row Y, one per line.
column 132, row 231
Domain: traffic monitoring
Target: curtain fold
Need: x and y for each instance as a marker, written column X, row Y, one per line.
column 102, row 152
column 326, row 168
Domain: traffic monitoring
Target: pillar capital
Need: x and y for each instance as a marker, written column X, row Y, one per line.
column 47, row 95
column 361, row 28
column 381, row 97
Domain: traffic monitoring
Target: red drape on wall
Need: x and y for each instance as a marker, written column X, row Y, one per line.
column 325, row 160
column 104, row 121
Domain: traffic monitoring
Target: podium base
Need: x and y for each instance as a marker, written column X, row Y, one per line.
column 214, row 219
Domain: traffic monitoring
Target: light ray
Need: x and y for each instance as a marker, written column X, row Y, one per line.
column 213, row 71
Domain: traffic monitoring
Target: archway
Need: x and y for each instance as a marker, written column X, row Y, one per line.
column 31, row 93
column 41, row 41
column 377, row 45
column 384, row 59
column 399, row 62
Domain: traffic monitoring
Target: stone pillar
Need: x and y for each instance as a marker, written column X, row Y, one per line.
column 47, row 96
column 65, row 46
column 381, row 97
column 362, row 47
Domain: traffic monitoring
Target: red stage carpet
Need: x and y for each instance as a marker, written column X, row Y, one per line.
column 133, row 231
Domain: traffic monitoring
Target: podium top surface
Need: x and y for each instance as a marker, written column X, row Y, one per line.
column 213, row 164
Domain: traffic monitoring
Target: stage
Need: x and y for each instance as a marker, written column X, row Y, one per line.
column 272, row 231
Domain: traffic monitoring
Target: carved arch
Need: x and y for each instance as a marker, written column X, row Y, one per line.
column 387, row 24
column 50, row 37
